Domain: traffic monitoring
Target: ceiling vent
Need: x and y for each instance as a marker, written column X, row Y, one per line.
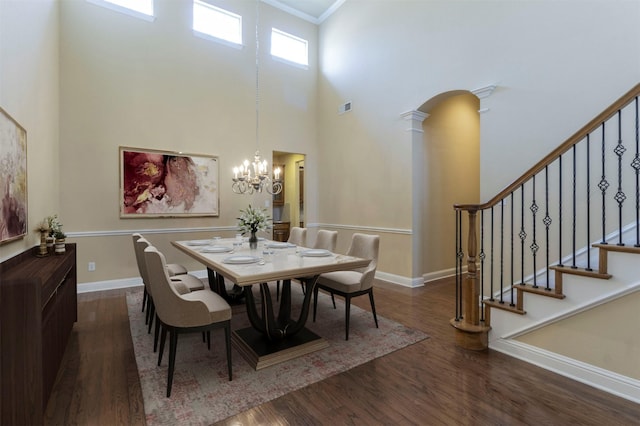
column 346, row 107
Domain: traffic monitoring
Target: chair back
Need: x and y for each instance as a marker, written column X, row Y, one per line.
column 139, row 254
column 298, row 236
column 326, row 240
column 171, row 308
column 139, row 245
column 365, row 246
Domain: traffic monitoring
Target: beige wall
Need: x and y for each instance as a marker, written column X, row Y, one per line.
column 452, row 163
column 605, row 336
column 128, row 82
column 29, row 93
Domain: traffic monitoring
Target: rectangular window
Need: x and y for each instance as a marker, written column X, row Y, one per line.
column 289, row 47
column 138, row 8
column 216, row 22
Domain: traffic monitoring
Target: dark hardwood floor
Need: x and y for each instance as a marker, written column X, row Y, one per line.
column 433, row 382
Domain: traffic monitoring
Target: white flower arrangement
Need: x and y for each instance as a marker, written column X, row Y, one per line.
column 55, row 227
column 253, row 220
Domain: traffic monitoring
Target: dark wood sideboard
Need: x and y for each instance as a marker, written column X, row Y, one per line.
column 38, row 306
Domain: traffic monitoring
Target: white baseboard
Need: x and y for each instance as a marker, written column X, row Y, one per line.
column 383, row 276
column 608, row 381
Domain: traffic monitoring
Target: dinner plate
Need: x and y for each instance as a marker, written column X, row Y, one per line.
column 239, row 260
column 280, row 245
column 199, row 243
column 315, row 253
column 216, row 249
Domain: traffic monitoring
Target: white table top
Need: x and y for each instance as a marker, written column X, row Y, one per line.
column 284, row 263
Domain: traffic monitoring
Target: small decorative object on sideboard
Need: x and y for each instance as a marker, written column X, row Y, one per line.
column 55, row 231
column 43, row 229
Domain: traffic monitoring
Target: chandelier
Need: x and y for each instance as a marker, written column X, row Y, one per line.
column 254, row 177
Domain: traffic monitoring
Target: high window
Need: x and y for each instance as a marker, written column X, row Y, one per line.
column 289, row 47
column 215, row 22
column 139, row 8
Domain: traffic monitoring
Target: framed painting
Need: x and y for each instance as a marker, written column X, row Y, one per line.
column 13, row 179
column 156, row 183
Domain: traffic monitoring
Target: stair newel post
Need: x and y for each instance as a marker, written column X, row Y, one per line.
column 471, row 333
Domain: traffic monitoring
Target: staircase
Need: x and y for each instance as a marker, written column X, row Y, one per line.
column 562, row 239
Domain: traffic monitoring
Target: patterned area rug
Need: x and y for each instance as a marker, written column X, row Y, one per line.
column 201, row 392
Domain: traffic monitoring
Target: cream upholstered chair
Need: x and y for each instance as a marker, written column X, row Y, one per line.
column 174, row 269
column 353, row 283
column 297, row 236
column 326, row 240
column 198, row 311
column 184, row 283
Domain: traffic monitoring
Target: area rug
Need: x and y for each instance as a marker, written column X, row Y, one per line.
column 202, row 394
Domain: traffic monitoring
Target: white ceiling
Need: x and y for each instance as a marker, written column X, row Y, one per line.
column 314, row 11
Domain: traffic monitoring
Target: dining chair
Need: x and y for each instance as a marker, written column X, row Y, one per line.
column 194, row 312
column 183, row 283
column 174, row 269
column 297, row 236
column 358, row 282
column 326, row 240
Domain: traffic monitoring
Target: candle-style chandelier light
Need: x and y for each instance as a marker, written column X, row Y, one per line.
column 254, row 177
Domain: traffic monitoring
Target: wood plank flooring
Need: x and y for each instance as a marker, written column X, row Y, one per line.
column 432, row 382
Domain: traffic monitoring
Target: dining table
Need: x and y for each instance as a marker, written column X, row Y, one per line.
column 272, row 337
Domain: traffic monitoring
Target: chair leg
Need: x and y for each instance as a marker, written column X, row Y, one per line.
column 173, row 343
column 373, row 307
column 347, row 313
column 156, row 333
column 227, row 338
column 277, row 290
column 315, row 302
column 144, row 299
column 333, row 299
column 163, row 338
column 152, row 314
column 148, row 314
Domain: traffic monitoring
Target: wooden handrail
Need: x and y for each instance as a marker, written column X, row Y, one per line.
column 564, row 147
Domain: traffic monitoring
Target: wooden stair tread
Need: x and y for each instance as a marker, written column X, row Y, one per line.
column 542, row 291
column 617, row 248
column 580, row 271
column 504, row 306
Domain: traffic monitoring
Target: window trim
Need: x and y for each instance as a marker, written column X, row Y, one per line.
column 125, row 10
column 211, row 37
column 287, row 60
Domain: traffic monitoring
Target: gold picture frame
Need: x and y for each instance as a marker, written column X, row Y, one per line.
column 13, row 179
column 157, row 183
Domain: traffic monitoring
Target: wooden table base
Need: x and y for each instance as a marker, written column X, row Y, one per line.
column 260, row 353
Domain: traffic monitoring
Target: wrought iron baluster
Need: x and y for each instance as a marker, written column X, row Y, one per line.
column 482, row 257
column 458, row 264
column 573, row 230
column 522, row 234
column 559, row 215
column 511, row 282
column 534, row 245
column 588, row 202
column 636, row 165
column 502, row 251
column 620, row 196
column 546, row 221
column 493, row 262
column 603, row 185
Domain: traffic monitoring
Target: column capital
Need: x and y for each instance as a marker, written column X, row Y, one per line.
column 415, row 119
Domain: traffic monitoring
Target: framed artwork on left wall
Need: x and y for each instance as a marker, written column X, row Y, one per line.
column 156, row 183
column 13, row 179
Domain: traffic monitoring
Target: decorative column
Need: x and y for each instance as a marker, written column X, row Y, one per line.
column 419, row 190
